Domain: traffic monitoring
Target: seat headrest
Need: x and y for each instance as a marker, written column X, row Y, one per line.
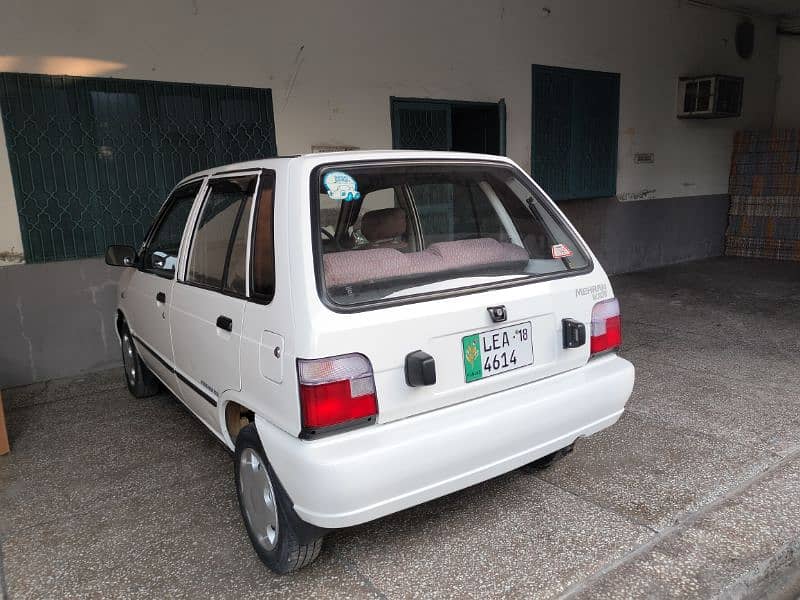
column 383, row 224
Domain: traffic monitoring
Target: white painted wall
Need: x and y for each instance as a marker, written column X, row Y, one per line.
column 787, row 102
column 332, row 66
column 10, row 237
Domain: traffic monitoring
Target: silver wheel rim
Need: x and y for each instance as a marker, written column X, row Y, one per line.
column 258, row 498
column 129, row 359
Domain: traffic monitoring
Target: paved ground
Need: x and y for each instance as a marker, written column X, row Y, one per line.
column 694, row 493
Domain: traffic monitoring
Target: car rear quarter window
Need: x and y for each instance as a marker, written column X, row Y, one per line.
column 263, row 251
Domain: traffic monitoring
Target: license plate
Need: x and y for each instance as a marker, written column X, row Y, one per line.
column 497, row 351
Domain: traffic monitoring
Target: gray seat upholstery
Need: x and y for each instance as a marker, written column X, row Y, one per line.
column 359, row 266
column 385, row 228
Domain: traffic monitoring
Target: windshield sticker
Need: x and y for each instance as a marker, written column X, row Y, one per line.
column 560, row 251
column 340, row 186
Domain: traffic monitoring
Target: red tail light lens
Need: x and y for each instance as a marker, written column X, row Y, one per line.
column 336, row 390
column 606, row 326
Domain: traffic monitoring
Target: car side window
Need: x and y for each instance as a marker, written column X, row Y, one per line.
column 235, row 281
column 218, row 249
column 160, row 256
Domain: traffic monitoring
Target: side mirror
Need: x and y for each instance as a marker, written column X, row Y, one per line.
column 159, row 260
column 120, row 256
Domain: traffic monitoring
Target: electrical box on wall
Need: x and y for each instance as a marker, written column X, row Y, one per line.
column 710, row 97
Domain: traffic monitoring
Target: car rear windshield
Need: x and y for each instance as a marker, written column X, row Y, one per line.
column 395, row 231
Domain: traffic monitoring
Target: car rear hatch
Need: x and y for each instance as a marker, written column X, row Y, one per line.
column 447, row 329
column 467, row 264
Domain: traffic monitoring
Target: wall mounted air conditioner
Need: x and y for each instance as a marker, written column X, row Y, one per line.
column 710, row 97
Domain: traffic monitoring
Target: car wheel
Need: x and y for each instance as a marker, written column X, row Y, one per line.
column 280, row 538
column 140, row 380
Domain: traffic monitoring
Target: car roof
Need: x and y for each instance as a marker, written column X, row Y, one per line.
column 317, row 158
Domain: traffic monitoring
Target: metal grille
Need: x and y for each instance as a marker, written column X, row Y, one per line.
column 421, row 125
column 92, row 159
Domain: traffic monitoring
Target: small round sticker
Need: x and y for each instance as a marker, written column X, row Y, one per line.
column 340, row 186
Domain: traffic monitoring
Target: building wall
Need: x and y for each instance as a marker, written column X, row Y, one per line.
column 332, row 67
column 787, row 102
column 640, row 235
column 56, row 319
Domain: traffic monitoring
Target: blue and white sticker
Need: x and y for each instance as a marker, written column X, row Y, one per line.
column 340, row 186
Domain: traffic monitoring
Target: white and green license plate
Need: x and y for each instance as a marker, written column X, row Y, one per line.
column 497, row 351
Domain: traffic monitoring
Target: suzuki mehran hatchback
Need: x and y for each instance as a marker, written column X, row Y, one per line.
column 369, row 331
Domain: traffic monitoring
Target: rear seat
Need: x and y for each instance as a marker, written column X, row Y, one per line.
column 359, row 266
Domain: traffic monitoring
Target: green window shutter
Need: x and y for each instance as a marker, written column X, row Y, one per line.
column 575, row 129
column 595, row 118
column 552, row 130
column 92, row 159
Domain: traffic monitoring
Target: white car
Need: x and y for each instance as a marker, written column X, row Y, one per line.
column 439, row 325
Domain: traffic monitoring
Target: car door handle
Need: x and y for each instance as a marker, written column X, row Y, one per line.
column 225, row 323
column 161, row 297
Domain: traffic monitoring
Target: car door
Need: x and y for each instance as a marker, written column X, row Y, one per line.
column 208, row 302
column 149, row 292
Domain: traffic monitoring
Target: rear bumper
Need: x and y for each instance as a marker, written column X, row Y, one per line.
column 368, row 473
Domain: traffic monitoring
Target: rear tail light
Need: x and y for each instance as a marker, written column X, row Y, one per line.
column 336, row 390
column 606, row 326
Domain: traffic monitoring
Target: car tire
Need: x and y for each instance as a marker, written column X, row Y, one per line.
column 281, row 539
column 140, row 380
column 554, row 457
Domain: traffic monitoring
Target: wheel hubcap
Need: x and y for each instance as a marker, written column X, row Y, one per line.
column 258, row 498
column 129, row 359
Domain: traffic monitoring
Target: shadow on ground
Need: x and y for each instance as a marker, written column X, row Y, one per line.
column 692, row 494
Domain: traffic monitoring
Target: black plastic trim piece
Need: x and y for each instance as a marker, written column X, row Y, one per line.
column 320, row 432
column 172, row 369
column 420, row 369
column 498, row 314
column 225, row 323
column 155, row 354
column 573, row 333
column 196, row 389
column 322, row 291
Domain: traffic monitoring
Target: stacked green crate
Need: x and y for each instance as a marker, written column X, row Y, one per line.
column 764, row 216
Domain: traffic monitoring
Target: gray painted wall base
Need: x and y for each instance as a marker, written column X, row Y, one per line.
column 637, row 235
column 57, row 319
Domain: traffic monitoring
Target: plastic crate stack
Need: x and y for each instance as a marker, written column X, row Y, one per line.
column 764, row 216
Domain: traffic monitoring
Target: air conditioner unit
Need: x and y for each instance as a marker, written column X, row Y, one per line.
column 710, row 97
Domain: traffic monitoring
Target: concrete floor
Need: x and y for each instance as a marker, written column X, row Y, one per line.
column 694, row 493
